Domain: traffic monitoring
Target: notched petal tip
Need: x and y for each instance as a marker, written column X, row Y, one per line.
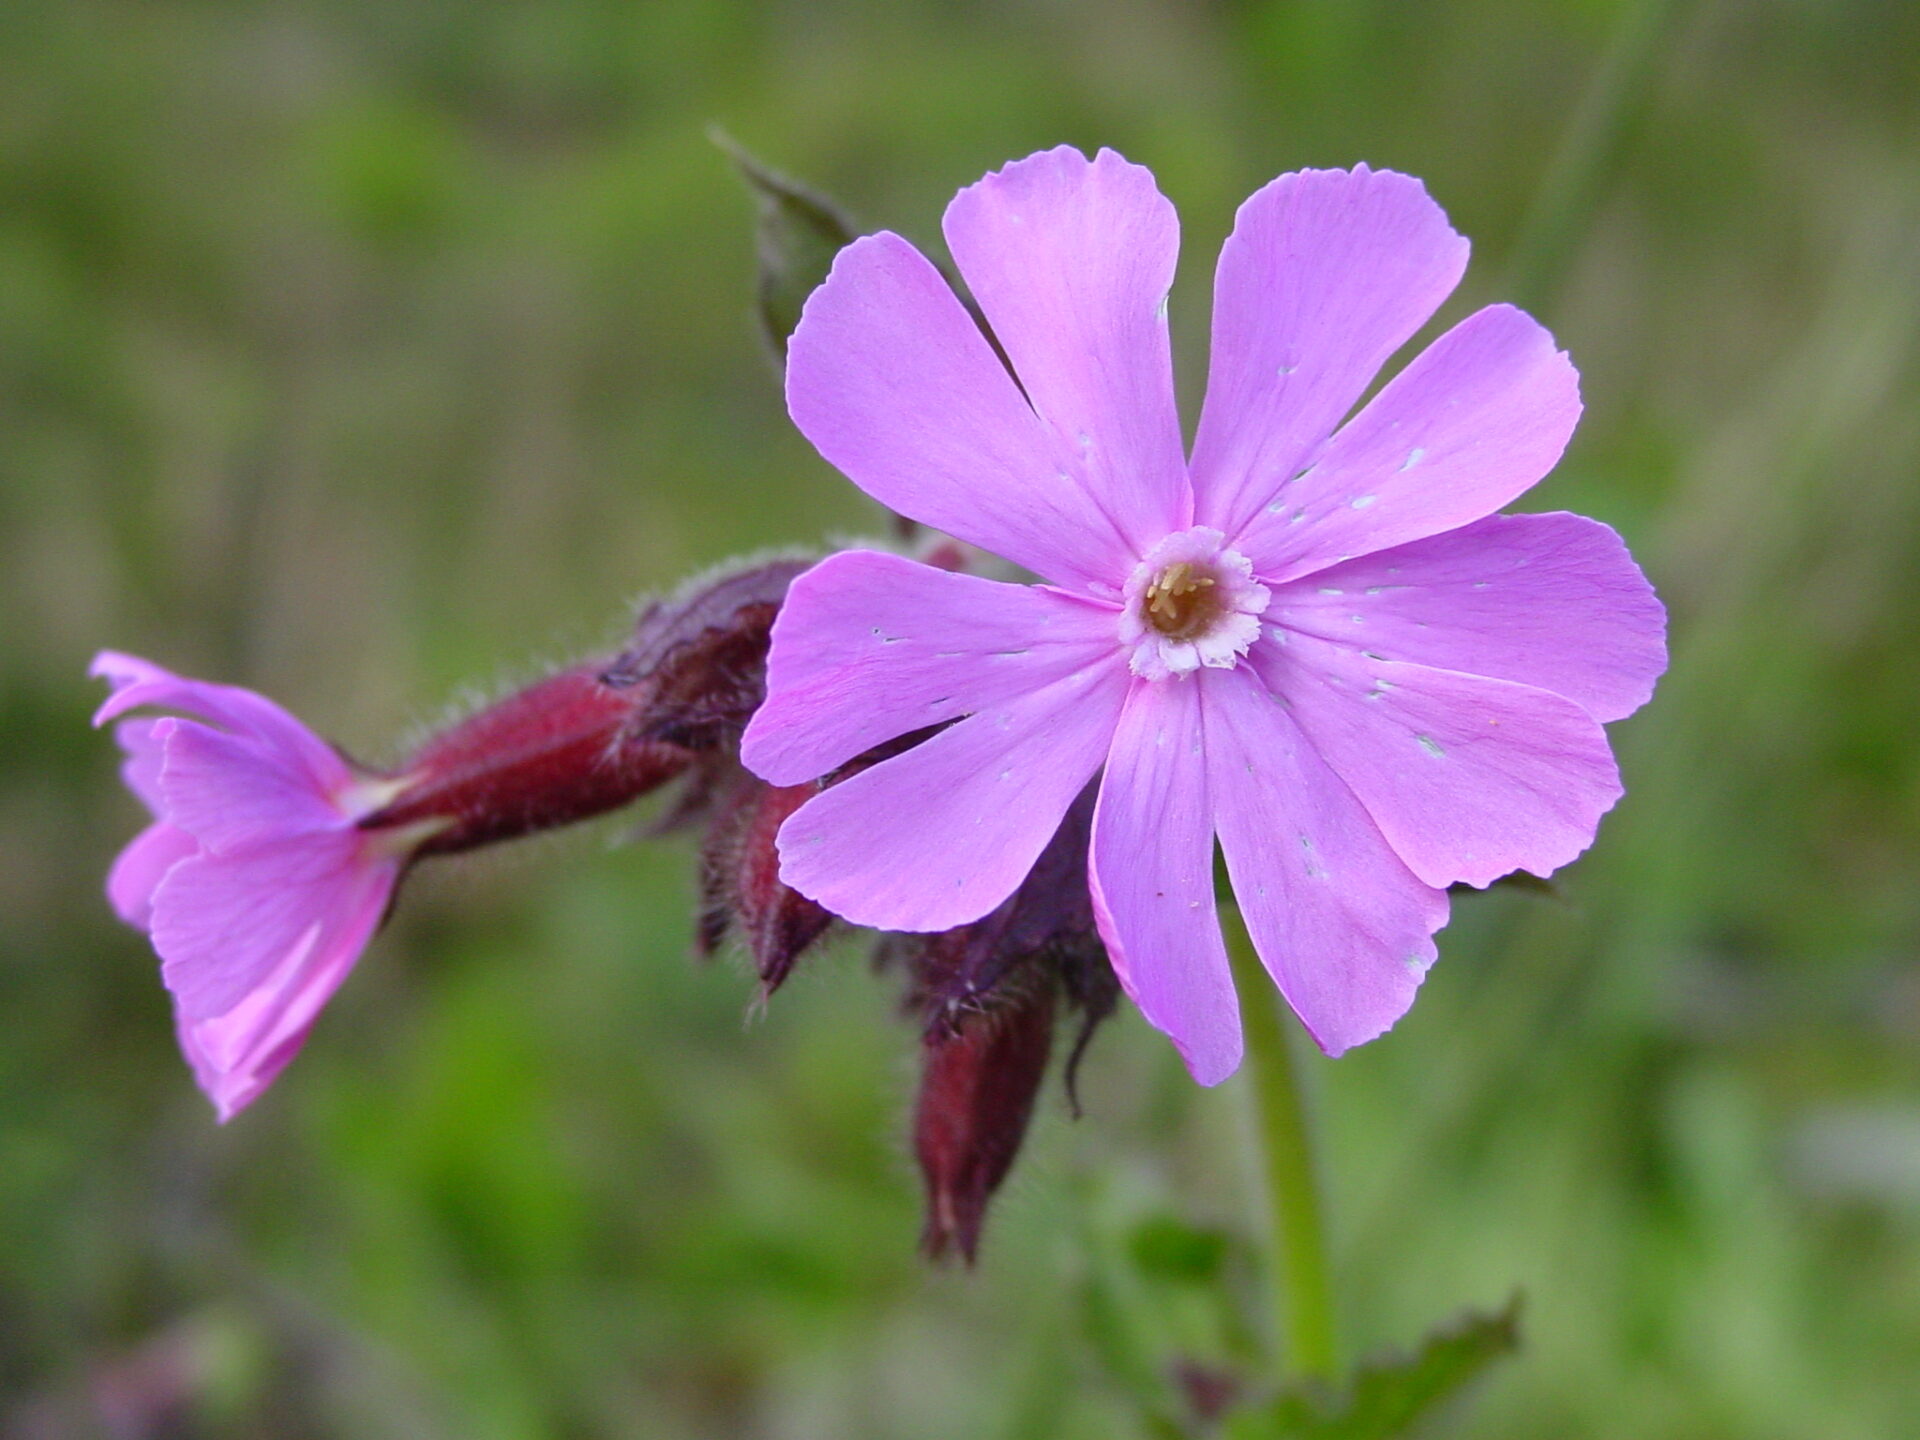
column 1358, row 184
column 1335, row 1040
column 1058, row 162
column 1054, row 160
column 883, row 251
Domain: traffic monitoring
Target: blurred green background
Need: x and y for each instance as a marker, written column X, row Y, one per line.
column 366, row 353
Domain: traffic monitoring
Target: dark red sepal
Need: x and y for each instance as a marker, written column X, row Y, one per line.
column 552, row 754
column 740, row 880
column 977, row 1087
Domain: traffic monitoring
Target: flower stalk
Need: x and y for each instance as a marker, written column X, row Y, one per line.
column 1289, row 1178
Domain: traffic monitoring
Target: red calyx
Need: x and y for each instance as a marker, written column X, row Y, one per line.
column 740, row 880
column 549, row 755
column 977, row 1089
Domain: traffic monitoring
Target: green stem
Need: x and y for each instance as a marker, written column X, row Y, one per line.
column 1303, row 1291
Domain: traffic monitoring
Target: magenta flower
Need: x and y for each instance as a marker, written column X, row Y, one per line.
column 254, row 881
column 1313, row 641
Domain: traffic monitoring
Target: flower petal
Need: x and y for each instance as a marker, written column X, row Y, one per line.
column 138, row 682
column 224, row 924
column 1071, row 260
column 1326, row 274
column 1468, row 778
column 145, row 752
column 1553, row 601
column 1476, row 419
column 868, row 647
column 1341, row 924
column 894, row 384
column 940, row 835
column 1151, row 874
column 231, row 791
column 235, row 1056
column 140, row 868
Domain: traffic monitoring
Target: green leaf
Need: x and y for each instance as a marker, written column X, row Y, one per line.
column 1390, row 1396
column 798, row 234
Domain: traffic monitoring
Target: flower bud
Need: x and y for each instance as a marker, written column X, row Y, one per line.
column 987, row 994
column 740, row 879
column 977, row 1087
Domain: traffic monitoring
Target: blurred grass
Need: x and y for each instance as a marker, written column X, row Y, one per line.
column 361, row 352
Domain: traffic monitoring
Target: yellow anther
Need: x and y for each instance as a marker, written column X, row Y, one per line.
column 1177, row 602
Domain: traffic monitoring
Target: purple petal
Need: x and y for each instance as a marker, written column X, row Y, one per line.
column 895, row 385
column 122, row 672
column 138, row 682
column 1341, row 924
column 231, row 791
column 1151, row 875
column 235, row 1056
column 1476, row 419
column 1552, row 601
column 940, row 835
column 1071, row 260
column 145, row 752
column 140, row 868
column 1468, row 778
column 224, row 924
column 1326, row 274
column 868, row 647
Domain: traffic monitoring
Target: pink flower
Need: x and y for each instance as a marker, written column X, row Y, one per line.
column 1313, row 640
column 255, row 882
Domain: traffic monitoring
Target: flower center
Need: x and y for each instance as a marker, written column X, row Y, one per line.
column 1191, row 602
column 1183, row 600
